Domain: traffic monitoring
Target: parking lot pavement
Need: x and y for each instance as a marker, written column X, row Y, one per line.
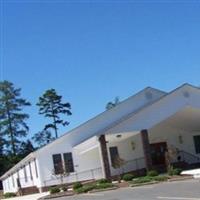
column 180, row 190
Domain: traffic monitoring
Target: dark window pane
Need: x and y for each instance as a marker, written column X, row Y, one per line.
column 197, row 143
column 114, row 155
column 57, row 162
column 69, row 165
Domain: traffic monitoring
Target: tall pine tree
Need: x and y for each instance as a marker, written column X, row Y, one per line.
column 12, row 119
column 51, row 106
column 42, row 138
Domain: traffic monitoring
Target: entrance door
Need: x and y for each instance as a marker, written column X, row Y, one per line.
column 158, row 153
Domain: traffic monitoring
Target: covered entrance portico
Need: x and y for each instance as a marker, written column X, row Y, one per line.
column 170, row 124
column 137, row 151
column 141, row 139
column 179, row 134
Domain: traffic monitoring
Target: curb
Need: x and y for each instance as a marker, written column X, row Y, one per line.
column 180, row 179
column 142, row 184
column 103, row 190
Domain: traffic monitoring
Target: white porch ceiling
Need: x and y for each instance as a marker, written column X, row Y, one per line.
column 116, row 137
column 187, row 119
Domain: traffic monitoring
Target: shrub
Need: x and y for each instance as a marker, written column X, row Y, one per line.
column 177, row 171
column 77, row 185
column 144, row 179
column 54, row 190
column 174, row 171
column 85, row 188
column 64, row 188
column 170, row 171
column 160, row 178
column 152, row 173
column 103, row 186
column 9, row 195
column 103, row 181
column 128, row 177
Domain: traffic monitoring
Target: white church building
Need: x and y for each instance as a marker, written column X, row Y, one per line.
column 138, row 131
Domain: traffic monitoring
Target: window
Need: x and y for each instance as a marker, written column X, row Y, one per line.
column 57, row 162
column 25, row 174
column 68, row 160
column 197, row 143
column 114, row 155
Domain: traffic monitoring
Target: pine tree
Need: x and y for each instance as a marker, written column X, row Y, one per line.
column 42, row 138
column 51, row 106
column 26, row 148
column 12, row 119
column 111, row 104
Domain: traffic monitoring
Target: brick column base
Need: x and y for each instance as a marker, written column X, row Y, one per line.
column 147, row 149
column 104, row 153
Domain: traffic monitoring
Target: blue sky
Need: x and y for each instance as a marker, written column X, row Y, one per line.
column 93, row 51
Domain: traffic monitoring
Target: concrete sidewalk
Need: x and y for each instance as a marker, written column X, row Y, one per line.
column 194, row 172
column 30, row 197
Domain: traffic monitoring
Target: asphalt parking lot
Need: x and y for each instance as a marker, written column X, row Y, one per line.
column 181, row 190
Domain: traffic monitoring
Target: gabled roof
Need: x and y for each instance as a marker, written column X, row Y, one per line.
column 111, row 112
column 154, row 104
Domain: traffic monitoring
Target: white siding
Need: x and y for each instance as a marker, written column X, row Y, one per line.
column 133, row 157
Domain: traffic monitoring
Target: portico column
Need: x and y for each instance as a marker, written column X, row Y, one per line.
column 104, row 155
column 146, row 148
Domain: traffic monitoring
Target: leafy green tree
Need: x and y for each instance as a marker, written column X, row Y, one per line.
column 12, row 119
column 111, row 104
column 51, row 106
column 42, row 138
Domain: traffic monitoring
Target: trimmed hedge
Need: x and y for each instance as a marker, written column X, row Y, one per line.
column 152, row 173
column 9, row 195
column 103, row 186
column 85, row 188
column 174, row 171
column 128, row 177
column 103, row 180
column 160, row 178
column 77, row 185
column 64, row 188
column 144, row 179
column 54, row 190
column 177, row 171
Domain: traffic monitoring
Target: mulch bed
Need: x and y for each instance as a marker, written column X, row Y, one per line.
column 123, row 184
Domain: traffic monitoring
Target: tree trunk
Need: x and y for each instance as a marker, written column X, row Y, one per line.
column 54, row 121
column 11, row 130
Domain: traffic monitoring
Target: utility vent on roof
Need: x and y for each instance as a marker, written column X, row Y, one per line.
column 148, row 95
column 186, row 94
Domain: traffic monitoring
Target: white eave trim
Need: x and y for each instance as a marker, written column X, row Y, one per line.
column 18, row 166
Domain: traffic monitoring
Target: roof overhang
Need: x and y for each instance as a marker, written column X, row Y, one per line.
column 18, row 166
